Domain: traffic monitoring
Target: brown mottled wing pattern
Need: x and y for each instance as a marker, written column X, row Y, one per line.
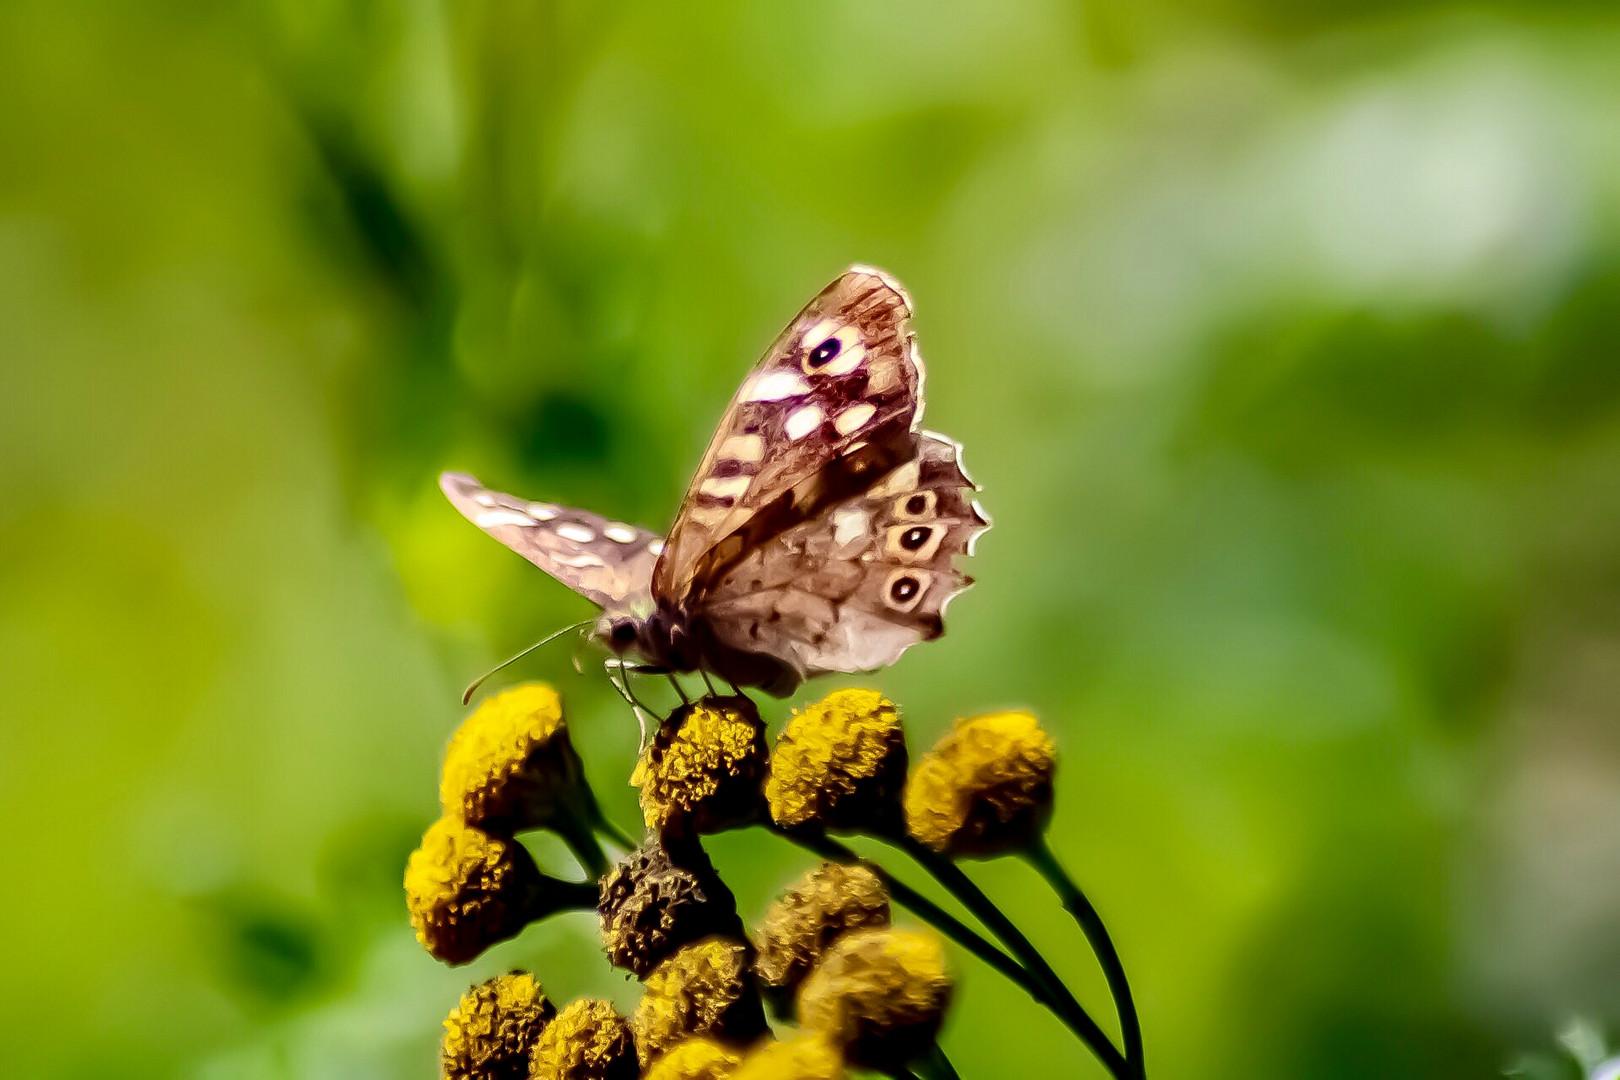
column 830, row 407
column 610, row 563
column 868, row 577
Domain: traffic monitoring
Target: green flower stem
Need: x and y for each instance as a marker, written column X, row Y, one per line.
column 924, row 908
column 936, row 1066
column 577, row 834
column 611, row 830
column 1060, row 1003
column 1039, row 855
column 1067, row 1007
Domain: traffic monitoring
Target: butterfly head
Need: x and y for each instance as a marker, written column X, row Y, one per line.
column 618, row 631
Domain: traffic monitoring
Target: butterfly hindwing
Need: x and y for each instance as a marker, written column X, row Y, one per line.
column 608, row 562
column 831, row 407
column 856, row 585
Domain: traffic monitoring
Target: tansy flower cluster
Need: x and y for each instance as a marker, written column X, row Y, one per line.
column 825, row 981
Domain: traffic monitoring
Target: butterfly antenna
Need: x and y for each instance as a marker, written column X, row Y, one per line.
column 548, row 639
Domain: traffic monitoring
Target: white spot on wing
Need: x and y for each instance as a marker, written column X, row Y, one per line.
column 488, row 519
column 722, row 487
column 745, row 448
column 773, row 386
column 803, row 422
column 854, row 418
column 542, row 511
column 580, row 534
column 656, row 547
column 484, row 498
column 850, row 525
column 901, row 479
column 818, row 333
column 619, row 533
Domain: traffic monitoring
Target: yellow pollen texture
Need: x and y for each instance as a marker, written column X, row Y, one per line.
column 986, row 787
column 706, row 766
column 508, row 759
column 588, row 1040
column 837, row 761
column 490, row 1032
column 694, row 1059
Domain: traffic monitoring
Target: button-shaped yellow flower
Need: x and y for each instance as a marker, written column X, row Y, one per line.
column 490, row 1032
column 466, row 890
column 985, row 788
column 511, row 765
column 588, row 1040
column 879, row 994
column 705, row 989
column 661, row 896
column 839, row 764
column 830, row 900
column 807, row 1056
column 695, row 1059
column 705, row 768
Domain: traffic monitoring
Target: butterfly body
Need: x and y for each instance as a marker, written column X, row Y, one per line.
column 819, row 534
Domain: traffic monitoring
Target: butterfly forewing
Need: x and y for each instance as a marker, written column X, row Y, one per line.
column 608, row 562
column 830, row 408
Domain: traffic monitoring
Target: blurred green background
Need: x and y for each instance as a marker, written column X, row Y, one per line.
column 1282, row 337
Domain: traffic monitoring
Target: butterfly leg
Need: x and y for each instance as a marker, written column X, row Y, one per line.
column 706, row 681
column 679, row 689
column 622, row 685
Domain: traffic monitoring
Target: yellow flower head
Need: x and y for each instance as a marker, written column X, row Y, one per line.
column 879, row 994
column 831, row 900
column 807, row 1056
column 839, row 763
column 588, row 1040
column 705, row 989
column 511, row 765
column 704, row 767
column 466, row 890
column 694, row 1059
column 663, row 895
column 488, row 1035
column 985, row 788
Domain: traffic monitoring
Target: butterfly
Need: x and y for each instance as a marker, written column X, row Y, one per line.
column 819, row 535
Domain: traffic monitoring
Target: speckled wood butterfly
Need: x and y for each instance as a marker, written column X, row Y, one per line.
column 820, row 533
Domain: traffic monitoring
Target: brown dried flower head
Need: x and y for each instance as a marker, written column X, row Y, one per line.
column 879, row 994
column 588, row 1040
column 705, row 767
column 985, row 788
column 705, row 989
column 511, row 765
column 466, row 890
column 663, row 895
column 830, row 900
column 695, row 1059
column 839, row 764
column 806, row 1056
column 489, row 1034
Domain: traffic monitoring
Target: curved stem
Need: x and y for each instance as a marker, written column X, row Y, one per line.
column 583, row 843
column 925, row 909
column 613, row 832
column 948, row 874
column 1040, row 856
column 1059, row 1001
column 936, row 1066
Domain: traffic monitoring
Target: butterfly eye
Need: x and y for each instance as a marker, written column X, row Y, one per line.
column 623, row 633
